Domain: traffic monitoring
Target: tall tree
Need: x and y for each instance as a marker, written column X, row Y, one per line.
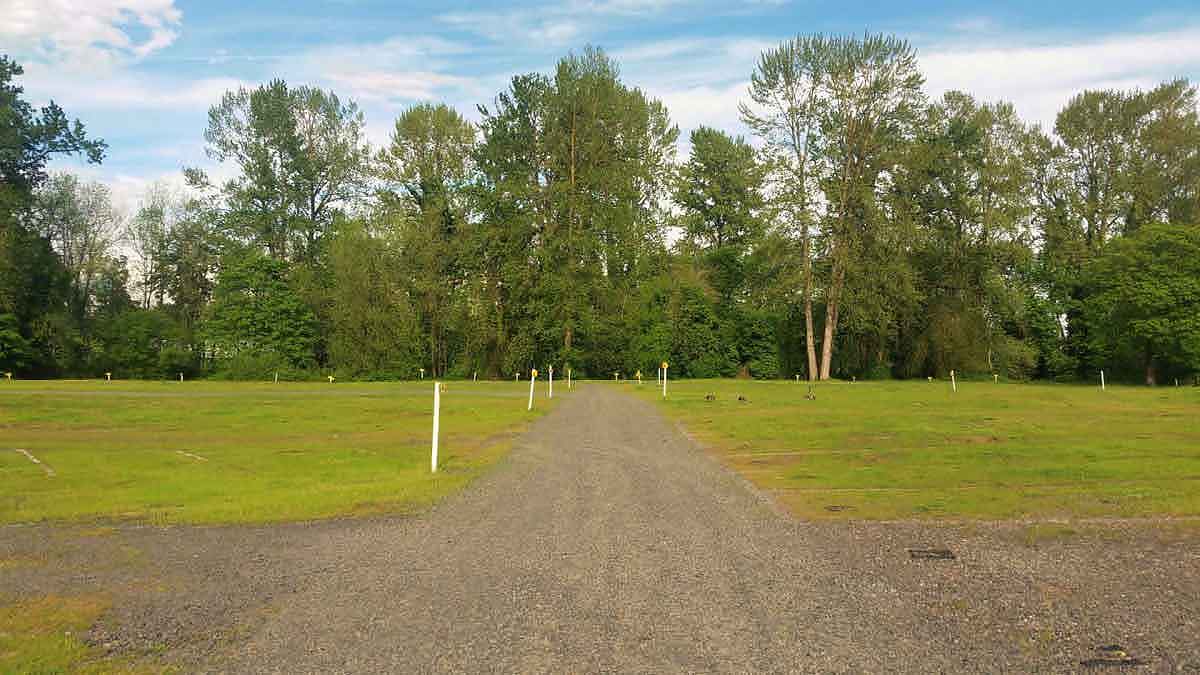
column 374, row 330
column 79, row 221
column 577, row 165
column 720, row 190
column 1145, row 306
column 872, row 99
column 426, row 169
column 787, row 90
column 256, row 314
column 963, row 184
column 302, row 156
column 32, row 280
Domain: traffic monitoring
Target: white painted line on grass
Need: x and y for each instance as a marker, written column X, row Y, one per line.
column 198, row 458
column 35, row 460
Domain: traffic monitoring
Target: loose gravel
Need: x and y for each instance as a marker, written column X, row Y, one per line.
column 608, row 542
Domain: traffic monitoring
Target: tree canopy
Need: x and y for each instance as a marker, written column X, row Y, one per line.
column 861, row 230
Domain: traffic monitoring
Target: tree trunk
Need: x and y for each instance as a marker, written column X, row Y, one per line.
column 809, row 338
column 1151, row 373
column 831, row 317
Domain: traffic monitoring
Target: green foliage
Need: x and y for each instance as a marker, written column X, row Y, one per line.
column 374, row 333
column 132, row 344
column 426, row 168
column 29, row 138
column 256, row 318
column 302, row 156
column 891, row 234
column 721, row 187
column 15, row 351
column 1016, row 359
column 32, row 277
column 573, row 169
column 1145, row 304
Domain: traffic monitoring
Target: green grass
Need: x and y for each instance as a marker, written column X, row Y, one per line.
column 900, row 450
column 45, row 635
column 272, row 452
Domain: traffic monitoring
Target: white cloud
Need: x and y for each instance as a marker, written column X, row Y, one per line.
column 553, row 24
column 88, row 34
column 123, row 91
column 713, row 106
column 401, row 69
column 1039, row 79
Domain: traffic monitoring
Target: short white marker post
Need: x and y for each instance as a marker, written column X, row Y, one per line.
column 953, row 382
column 181, row 377
column 569, row 385
column 516, row 376
column 532, row 380
column 995, row 378
column 551, row 382
column 475, row 376
column 8, row 375
column 422, row 373
column 639, row 377
column 1102, row 380
column 437, row 414
column 664, row 378
column 797, row 378
column 108, row 377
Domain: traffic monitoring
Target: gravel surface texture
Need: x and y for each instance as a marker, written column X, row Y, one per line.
column 608, row 542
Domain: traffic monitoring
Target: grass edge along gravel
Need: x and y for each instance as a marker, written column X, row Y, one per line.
column 918, row 450
column 227, row 453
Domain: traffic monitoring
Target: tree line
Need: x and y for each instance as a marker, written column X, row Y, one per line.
column 862, row 231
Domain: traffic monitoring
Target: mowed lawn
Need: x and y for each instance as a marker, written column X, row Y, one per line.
column 217, row 452
column 900, row 450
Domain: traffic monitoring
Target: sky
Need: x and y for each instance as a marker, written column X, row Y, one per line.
column 142, row 74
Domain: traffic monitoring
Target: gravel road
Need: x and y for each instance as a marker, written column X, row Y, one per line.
column 608, row 542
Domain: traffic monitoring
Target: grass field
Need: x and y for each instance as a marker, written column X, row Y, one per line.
column 215, row 452
column 897, row 450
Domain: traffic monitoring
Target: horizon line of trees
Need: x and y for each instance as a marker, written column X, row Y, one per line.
column 868, row 232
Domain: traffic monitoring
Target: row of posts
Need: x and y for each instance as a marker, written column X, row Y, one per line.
column 533, row 374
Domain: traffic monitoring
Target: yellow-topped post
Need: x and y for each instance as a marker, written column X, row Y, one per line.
column 532, row 381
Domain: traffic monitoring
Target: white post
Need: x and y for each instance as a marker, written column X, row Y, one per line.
column 437, row 413
column 551, row 382
column 953, row 382
column 516, row 376
column 995, row 378
column 475, row 376
column 422, row 373
column 1102, row 380
column 797, row 378
column 569, row 385
column 532, row 380
column 181, row 377
column 277, row 377
column 664, row 378
column 108, row 377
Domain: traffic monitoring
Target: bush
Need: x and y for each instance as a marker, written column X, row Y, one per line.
column 1017, row 359
column 262, row 366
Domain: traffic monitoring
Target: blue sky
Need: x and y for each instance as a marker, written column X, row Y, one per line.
column 142, row 73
